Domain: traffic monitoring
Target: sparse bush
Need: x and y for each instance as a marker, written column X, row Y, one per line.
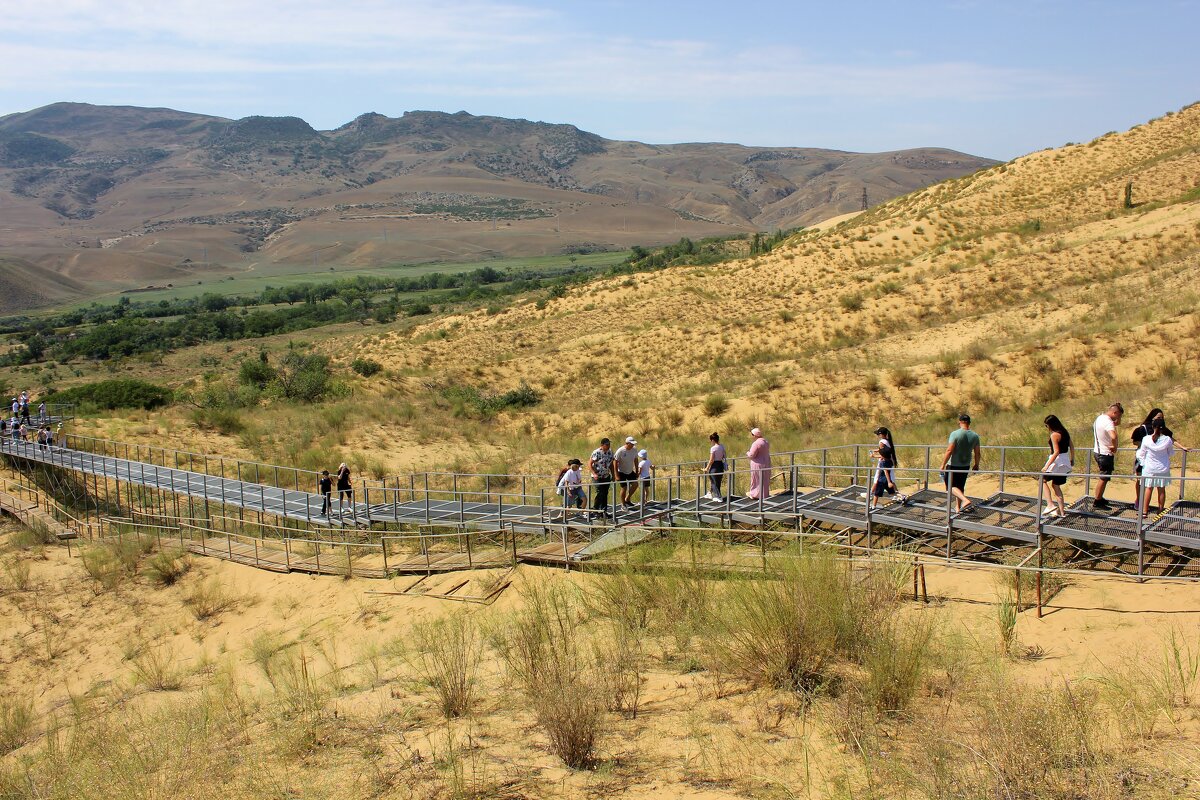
column 103, row 565
column 788, row 633
column 16, row 573
column 16, row 722
column 896, row 661
column 1049, row 389
column 208, row 598
column 166, row 567
column 948, row 367
column 365, row 367
column 904, row 378
column 156, row 669
column 223, row 420
column 547, row 658
column 715, row 405
column 851, row 302
column 446, row 655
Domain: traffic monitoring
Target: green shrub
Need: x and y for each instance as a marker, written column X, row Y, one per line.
column 115, row 393
column 469, row 401
column 256, row 371
column 168, row 566
column 365, row 367
column 851, row 302
column 715, row 405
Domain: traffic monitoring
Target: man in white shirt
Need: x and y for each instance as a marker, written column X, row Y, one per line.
column 626, row 462
column 1104, row 451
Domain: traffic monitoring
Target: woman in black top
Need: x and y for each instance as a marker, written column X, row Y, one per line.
column 1058, row 465
column 345, row 490
column 325, row 489
column 885, row 480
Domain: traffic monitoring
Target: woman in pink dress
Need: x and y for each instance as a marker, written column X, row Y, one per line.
column 760, row 466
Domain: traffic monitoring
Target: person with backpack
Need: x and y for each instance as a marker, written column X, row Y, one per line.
column 885, row 473
column 715, row 468
column 325, row 489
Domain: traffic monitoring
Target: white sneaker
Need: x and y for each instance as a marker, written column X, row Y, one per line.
column 708, row 497
column 864, row 495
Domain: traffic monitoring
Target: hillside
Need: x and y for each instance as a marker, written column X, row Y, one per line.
column 118, row 196
column 1023, row 289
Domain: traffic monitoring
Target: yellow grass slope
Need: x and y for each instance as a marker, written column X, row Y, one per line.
column 1012, row 287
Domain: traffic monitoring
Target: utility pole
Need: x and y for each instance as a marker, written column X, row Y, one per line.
column 864, row 208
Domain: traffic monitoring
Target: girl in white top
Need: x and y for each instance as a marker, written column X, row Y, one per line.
column 1155, row 455
column 646, row 475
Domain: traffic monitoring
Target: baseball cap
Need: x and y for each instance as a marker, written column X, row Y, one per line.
column 630, row 440
column 641, row 453
column 575, row 461
column 755, row 432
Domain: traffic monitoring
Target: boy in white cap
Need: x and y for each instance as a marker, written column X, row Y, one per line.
column 626, row 462
column 646, row 475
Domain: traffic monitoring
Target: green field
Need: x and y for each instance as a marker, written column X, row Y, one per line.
column 259, row 278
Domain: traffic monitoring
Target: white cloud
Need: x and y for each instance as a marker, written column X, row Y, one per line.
column 476, row 49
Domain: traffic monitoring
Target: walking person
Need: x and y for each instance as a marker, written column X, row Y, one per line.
column 646, row 475
column 1058, row 465
column 1155, row 454
column 570, row 484
column 325, row 489
column 59, row 436
column 962, row 456
column 42, row 412
column 885, row 473
column 1141, row 432
column 626, row 461
column 600, row 465
column 345, row 489
column 1104, row 451
column 25, row 409
column 760, row 466
column 715, row 468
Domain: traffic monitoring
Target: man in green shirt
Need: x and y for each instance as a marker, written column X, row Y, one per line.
column 962, row 455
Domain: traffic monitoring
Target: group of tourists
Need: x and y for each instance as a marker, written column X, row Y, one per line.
column 633, row 472
column 345, row 490
column 20, row 426
column 1155, row 442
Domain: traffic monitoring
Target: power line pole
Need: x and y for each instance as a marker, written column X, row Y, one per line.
column 864, row 208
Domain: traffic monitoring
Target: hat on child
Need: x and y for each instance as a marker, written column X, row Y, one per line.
column 642, row 454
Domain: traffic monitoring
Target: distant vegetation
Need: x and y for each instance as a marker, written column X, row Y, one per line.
column 129, row 328
column 711, row 250
column 117, row 393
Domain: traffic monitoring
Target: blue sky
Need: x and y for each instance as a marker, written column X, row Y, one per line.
column 997, row 78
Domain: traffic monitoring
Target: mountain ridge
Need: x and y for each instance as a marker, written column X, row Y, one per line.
column 111, row 175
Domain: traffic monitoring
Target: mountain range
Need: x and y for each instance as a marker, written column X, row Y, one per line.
column 101, row 198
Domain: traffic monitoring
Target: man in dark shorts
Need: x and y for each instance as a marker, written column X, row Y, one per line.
column 626, row 463
column 957, row 463
column 600, row 464
column 1104, row 451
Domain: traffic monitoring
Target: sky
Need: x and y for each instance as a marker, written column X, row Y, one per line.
column 997, row 79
